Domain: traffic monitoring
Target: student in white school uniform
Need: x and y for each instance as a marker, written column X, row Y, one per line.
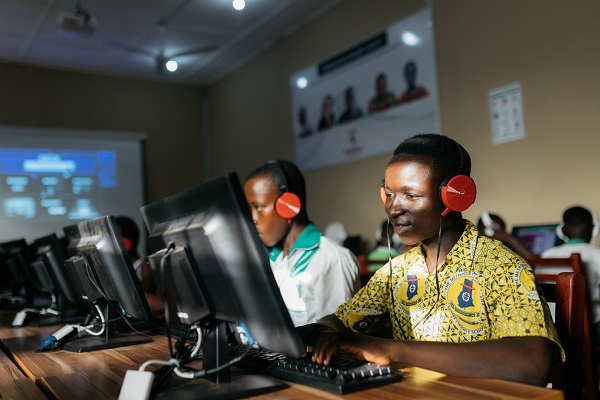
column 578, row 229
column 314, row 274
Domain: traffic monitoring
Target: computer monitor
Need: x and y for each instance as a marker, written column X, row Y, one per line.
column 106, row 280
column 537, row 238
column 52, row 279
column 222, row 273
column 16, row 259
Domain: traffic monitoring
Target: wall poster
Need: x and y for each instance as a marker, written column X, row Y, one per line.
column 365, row 100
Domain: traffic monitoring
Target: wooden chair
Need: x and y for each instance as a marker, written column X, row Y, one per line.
column 547, row 268
column 568, row 293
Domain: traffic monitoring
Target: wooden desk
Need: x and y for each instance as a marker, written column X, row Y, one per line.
column 99, row 375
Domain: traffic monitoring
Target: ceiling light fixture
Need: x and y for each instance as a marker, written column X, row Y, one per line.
column 171, row 65
column 239, row 4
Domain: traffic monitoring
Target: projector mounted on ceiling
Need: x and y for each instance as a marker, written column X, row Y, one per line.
column 78, row 23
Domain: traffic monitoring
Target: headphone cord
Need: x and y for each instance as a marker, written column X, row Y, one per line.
column 437, row 280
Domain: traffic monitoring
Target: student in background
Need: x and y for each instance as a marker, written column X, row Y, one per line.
column 387, row 244
column 456, row 300
column 493, row 226
column 578, row 229
column 130, row 235
column 313, row 273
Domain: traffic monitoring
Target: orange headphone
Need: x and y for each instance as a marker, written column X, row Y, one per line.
column 457, row 191
column 287, row 204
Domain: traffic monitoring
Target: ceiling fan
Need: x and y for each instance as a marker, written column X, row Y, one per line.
column 163, row 61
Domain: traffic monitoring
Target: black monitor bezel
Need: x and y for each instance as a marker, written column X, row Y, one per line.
column 217, row 213
column 99, row 260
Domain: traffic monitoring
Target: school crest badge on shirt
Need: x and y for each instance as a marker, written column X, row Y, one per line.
column 463, row 293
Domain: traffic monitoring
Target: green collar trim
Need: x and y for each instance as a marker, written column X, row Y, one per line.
column 309, row 238
column 576, row 241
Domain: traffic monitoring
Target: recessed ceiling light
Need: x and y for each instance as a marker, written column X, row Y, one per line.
column 171, row 65
column 239, row 4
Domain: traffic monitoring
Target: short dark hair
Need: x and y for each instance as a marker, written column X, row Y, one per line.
column 495, row 218
column 293, row 176
column 577, row 216
column 447, row 156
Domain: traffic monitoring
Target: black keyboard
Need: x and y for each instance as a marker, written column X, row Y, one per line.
column 341, row 376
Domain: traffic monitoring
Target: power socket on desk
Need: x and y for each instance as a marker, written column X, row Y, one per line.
column 136, row 385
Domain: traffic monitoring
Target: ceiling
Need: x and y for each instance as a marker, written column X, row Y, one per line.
column 129, row 36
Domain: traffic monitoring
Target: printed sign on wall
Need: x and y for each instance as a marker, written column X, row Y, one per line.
column 365, row 100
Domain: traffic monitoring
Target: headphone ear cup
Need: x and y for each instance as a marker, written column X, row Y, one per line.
column 559, row 232
column 596, row 226
column 458, row 193
column 127, row 243
column 288, row 205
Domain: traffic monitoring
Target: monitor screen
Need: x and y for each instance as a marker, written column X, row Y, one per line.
column 537, row 238
column 222, row 264
column 106, row 279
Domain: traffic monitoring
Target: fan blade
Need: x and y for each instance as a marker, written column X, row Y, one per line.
column 126, row 47
column 199, row 50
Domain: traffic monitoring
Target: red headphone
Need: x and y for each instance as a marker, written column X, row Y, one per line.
column 127, row 243
column 457, row 192
column 287, row 204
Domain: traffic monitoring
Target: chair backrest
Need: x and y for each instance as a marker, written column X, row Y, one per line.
column 546, row 268
column 568, row 293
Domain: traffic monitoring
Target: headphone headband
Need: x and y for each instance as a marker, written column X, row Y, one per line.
column 279, row 175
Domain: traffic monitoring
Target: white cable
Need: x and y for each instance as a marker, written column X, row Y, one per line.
column 48, row 310
column 103, row 323
column 190, row 375
column 159, row 362
column 183, row 374
column 198, row 343
column 88, row 327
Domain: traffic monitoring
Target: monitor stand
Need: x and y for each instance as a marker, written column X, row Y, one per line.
column 222, row 384
column 109, row 339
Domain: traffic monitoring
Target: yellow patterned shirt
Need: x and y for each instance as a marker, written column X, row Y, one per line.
column 485, row 292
